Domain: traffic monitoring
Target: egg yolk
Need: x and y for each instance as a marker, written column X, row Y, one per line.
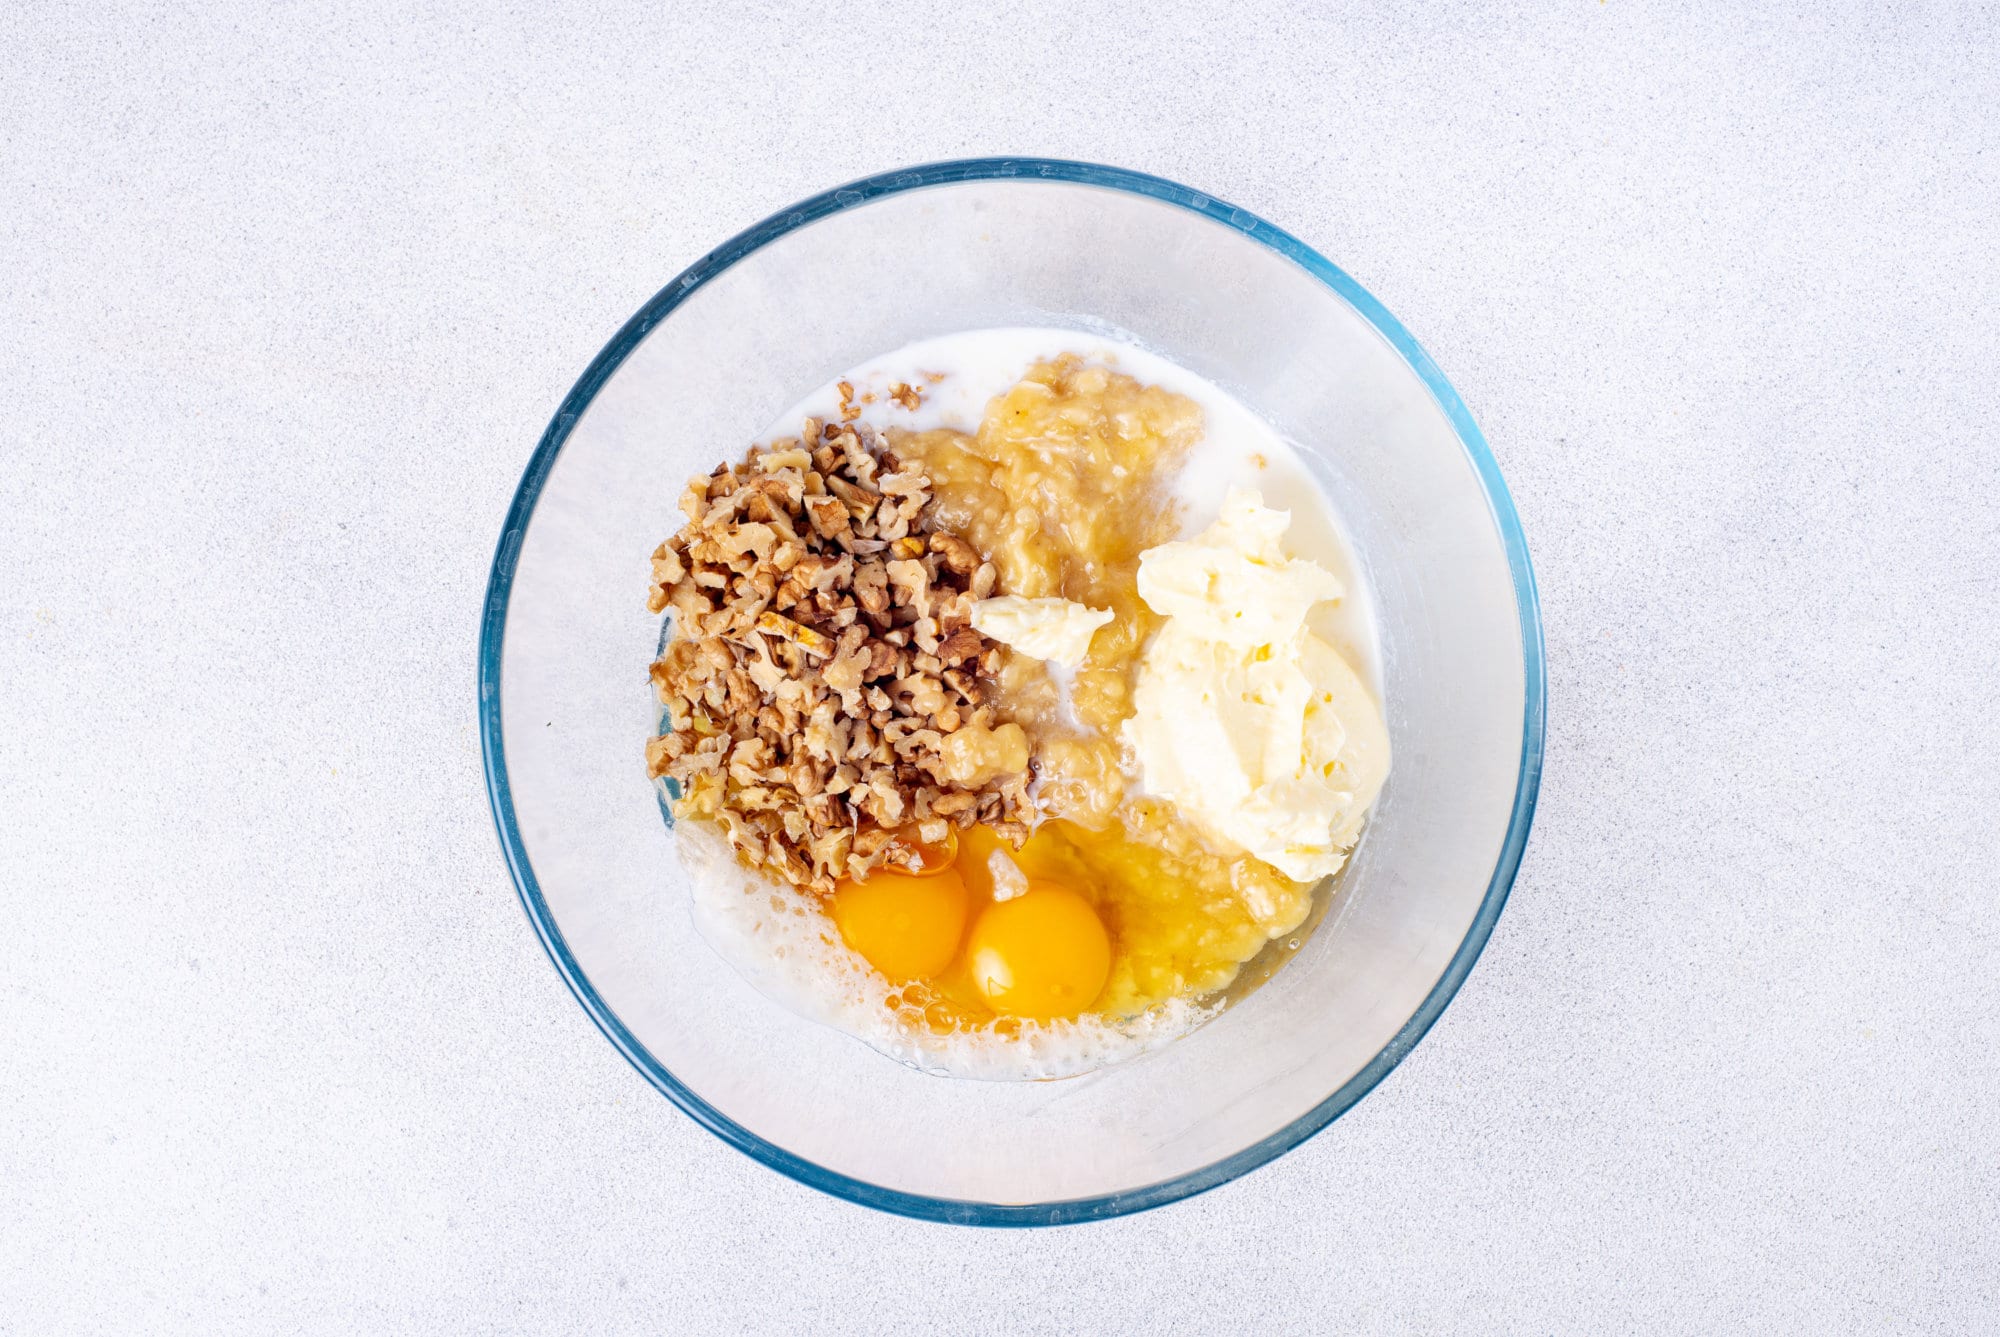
column 908, row 927
column 1043, row 954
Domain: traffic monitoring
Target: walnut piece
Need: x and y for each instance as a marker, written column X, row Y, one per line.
column 822, row 684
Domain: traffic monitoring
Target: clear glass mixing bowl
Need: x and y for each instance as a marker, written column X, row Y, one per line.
column 862, row 270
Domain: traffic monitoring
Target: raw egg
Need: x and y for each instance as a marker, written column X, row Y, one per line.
column 908, row 927
column 1043, row 954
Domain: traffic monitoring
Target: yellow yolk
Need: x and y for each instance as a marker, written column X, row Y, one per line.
column 906, row 927
column 1043, row 954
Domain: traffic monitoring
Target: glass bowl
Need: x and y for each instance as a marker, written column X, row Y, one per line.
column 862, row 270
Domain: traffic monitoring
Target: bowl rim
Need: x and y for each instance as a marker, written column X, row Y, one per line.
column 494, row 623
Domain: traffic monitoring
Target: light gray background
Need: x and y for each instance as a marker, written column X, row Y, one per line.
column 286, row 299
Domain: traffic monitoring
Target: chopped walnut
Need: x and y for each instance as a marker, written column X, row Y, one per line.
column 822, row 686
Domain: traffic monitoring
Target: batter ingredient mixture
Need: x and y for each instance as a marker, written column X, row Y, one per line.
column 988, row 708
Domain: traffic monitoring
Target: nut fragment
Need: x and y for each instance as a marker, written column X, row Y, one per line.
column 822, row 683
column 799, row 635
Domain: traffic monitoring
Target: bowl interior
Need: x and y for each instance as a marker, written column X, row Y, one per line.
column 709, row 364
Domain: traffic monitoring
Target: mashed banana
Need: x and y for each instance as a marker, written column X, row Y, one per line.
column 1067, row 481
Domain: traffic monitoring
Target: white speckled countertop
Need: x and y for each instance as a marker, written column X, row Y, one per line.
column 286, row 300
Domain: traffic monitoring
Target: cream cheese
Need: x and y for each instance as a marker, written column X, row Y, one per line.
column 1056, row 630
column 1256, row 729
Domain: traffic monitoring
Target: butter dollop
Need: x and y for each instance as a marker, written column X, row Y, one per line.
column 1252, row 726
column 1053, row 629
